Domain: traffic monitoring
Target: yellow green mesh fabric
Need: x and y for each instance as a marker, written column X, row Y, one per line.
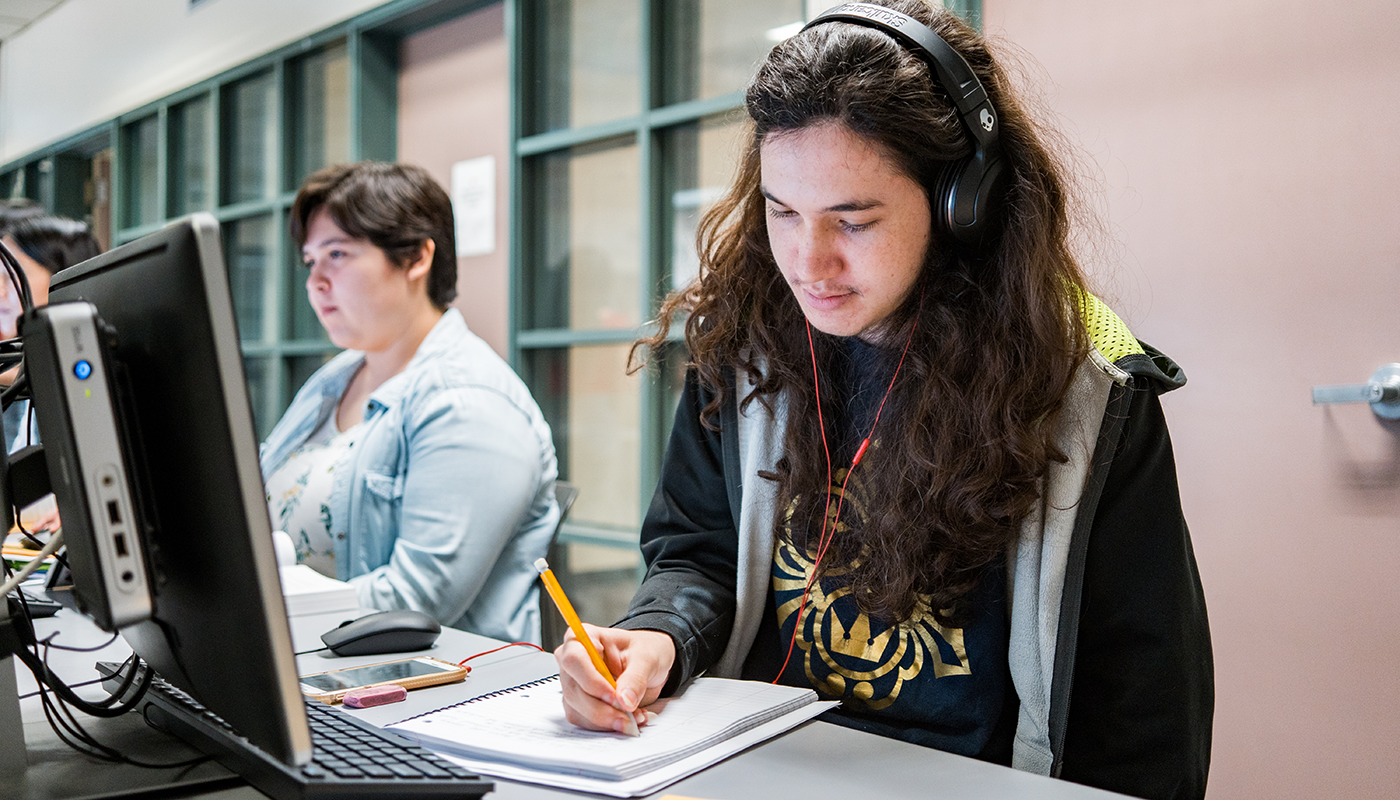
column 1108, row 333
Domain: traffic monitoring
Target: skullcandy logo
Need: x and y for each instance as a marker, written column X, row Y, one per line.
column 891, row 18
column 988, row 121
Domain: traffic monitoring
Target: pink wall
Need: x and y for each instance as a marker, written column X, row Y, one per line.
column 1247, row 155
column 454, row 101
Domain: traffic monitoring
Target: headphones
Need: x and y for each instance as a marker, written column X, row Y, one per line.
column 965, row 197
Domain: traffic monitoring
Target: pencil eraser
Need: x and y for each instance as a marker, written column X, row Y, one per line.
column 375, row 696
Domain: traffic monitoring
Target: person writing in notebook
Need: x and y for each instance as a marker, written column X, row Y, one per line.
column 415, row 465
column 916, row 465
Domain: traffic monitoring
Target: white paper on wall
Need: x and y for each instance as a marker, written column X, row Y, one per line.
column 474, row 205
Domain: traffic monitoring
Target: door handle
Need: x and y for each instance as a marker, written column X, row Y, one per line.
column 1382, row 392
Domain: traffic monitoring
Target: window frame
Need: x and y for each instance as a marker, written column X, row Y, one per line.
column 648, row 129
column 371, row 41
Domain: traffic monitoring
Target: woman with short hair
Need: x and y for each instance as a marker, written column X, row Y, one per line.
column 415, row 465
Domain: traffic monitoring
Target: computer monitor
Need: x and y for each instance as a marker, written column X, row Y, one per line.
column 218, row 627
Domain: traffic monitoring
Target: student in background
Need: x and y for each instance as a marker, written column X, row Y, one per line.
column 916, row 466
column 42, row 245
column 415, row 465
column 16, row 209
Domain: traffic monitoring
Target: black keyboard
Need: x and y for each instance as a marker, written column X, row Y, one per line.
column 350, row 758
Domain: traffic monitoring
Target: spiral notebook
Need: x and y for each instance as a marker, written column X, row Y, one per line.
column 520, row 733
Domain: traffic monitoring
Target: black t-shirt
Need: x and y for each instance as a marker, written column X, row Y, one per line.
column 916, row 680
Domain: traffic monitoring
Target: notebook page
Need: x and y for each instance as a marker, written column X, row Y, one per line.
column 649, row 782
column 526, row 726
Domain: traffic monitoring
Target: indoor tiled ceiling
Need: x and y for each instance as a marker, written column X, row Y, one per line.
column 16, row 14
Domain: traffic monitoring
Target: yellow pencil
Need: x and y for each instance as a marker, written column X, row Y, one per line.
column 556, row 592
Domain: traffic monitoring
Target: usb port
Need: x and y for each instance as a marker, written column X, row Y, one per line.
column 120, row 541
column 114, row 513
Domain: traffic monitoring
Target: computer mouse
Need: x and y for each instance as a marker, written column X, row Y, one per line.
column 398, row 631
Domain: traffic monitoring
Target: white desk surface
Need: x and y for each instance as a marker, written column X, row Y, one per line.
column 815, row 760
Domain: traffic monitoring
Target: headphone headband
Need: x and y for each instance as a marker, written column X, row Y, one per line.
column 969, row 191
column 949, row 66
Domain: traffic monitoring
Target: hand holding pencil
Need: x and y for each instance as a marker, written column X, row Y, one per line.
column 640, row 659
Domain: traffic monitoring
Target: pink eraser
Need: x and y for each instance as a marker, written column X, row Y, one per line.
column 375, row 696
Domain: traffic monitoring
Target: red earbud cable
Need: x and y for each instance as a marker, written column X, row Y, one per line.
column 825, row 539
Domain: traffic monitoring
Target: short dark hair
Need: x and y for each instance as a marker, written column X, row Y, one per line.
column 16, row 209
column 57, row 243
column 396, row 207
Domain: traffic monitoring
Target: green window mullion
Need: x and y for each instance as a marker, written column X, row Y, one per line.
column 653, row 241
column 279, row 138
column 46, row 182
column 583, row 533
column 216, row 143
column 565, row 138
column 289, row 96
column 540, row 338
column 688, row 111
column 695, row 110
column 136, row 232
column 273, row 278
column 278, row 309
column 515, row 56
column 353, row 43
column 293, row 349
column 265, row 350
column 162, row 161
column 252, row 208
column 373, row 101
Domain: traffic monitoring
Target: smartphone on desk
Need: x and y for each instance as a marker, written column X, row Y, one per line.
column 410, row 673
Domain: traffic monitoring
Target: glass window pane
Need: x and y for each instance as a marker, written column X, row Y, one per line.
column 30, row 185
column 250, row 244
column 321, row 116
column 189, row 160
column 712, row 47
column 700, row 163
column 587, row 264
column 250, row 154
column 594, row 410
column 670, row 372
column 599, row 579
column 299, row 368
column 142, row 197
column 300, row 324
column 256, row 371
column 587, row 62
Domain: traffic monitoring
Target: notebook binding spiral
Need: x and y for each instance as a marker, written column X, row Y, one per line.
column 487, row 696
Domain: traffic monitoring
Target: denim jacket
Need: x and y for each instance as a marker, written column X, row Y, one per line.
column 447, row 497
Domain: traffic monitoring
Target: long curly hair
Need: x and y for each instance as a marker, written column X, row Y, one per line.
column 993, row 353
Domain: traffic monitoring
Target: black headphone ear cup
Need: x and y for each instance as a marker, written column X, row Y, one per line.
column 969, row 196
column 945, row 195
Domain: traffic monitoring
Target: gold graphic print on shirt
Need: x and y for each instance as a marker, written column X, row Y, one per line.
column 844, row 652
